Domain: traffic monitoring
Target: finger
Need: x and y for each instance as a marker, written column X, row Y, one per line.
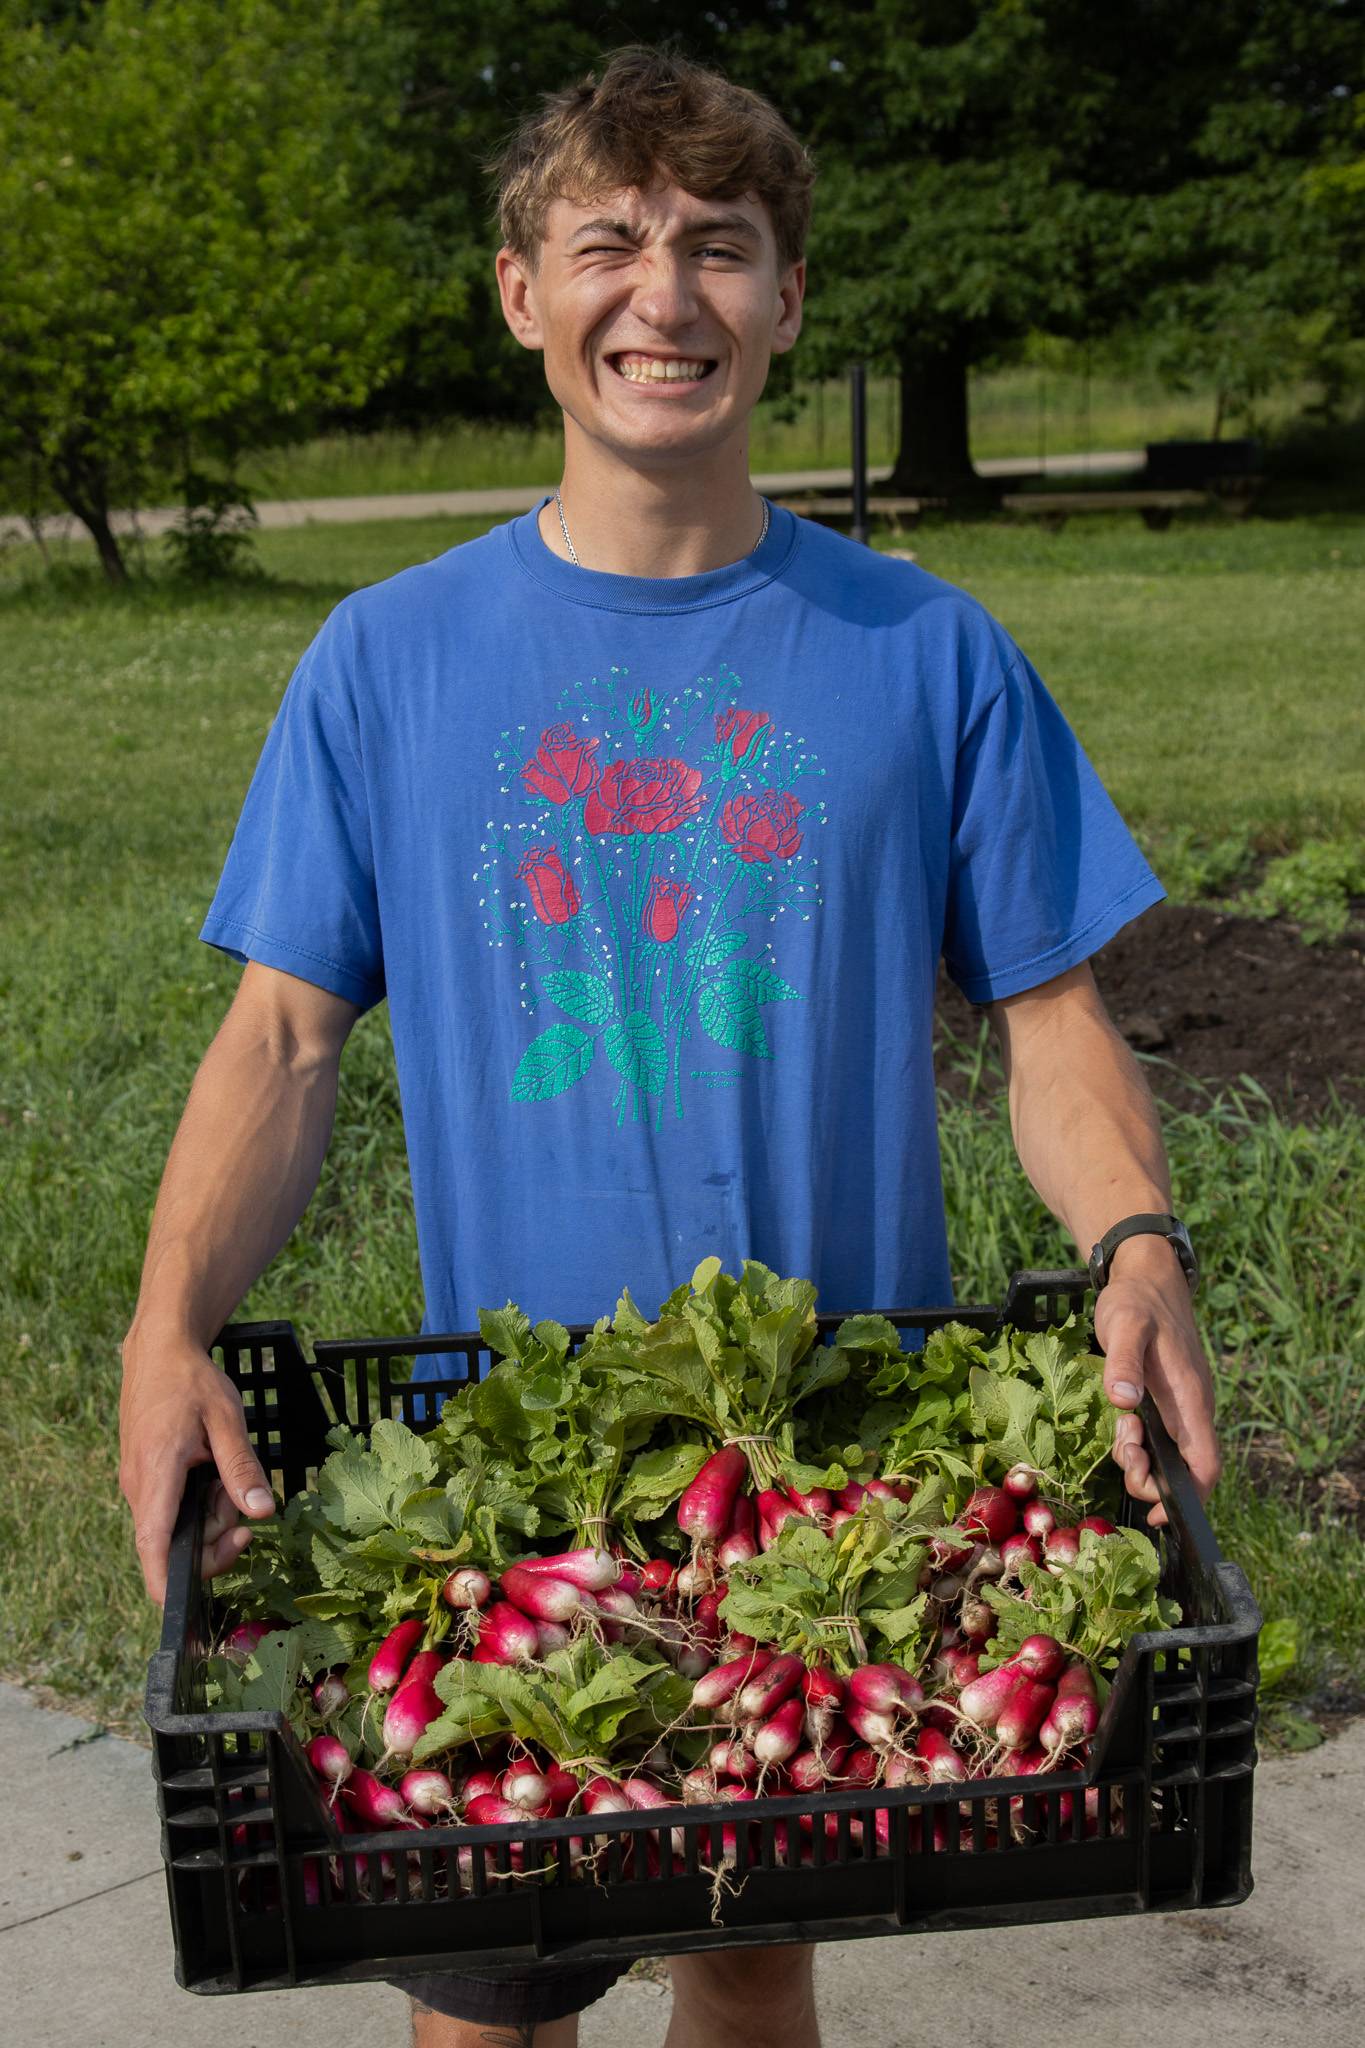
column 239, row 1468
column 1126, row 1339
column 158, row 1504
column 220, row 1512
column 223, row 1552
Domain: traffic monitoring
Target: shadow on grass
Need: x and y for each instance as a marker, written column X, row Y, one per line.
column 68, row 586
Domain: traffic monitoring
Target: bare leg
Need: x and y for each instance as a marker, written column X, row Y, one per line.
column 744, row 1998
column 436, row 2030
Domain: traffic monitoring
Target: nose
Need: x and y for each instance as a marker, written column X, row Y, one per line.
column 664, row 297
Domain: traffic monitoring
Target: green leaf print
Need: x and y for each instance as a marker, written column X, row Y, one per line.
column 729, row 1014
column 552, row 1063
column 758, row 981
column 586, row 997
column 711, row 952
column 637, row 1050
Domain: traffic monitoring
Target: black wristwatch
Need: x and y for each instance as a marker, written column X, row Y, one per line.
column 1169, row 1227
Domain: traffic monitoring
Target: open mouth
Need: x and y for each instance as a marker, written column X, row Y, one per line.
column 639, row 368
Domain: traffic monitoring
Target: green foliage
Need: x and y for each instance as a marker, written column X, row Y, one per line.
column 1314, row 885
column 1193, row 868
column 1093, row 1606
column 213, row 537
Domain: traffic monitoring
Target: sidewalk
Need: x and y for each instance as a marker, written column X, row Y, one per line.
column 85, row 1948
column 520, row 498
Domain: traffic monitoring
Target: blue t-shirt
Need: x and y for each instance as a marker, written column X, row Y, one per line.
column 656, row 875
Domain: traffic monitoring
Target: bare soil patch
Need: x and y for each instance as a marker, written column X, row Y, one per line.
column 1216, row 997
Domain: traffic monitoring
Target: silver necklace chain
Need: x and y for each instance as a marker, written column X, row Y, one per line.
column 573, row 557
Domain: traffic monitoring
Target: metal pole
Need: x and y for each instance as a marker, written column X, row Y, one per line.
column 858, row 388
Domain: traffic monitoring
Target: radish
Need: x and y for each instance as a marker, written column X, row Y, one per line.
column 1038, row 1519
column 697, row 1576
column 551, row 1636
column 390, row 1660
column 243, row 1640
column 330, row 1694
column 851, row 1496
column 769, row 1687
column 592, row 1571
column 741, row 1538
column 723, row 1681
column 978, row 1622
column 1020, row 1549
column 1021, row 1482
column 949, row 1556
column 694, row 1661
column 564, row 1787
column 986, row 1698
column 938, row 1714
column 780, row 1735
column 659, row 1575
column 733, row 1760
column 1072, row 1719
column 642, row 1791
column 840, row 1519
column 886, row 1689
column 1061, row 1546
column 1024, row 1713
column 890, row 1489
column 525, row 1787
column 373, row 1804
column 706, row 1505
column 331, row 1760
column 699, row 1786
column 618, row 1606
column 939, row 1758
column 506, row 1636
column 989, row 1514
column 813, row 1769
column 467, row 1587
column 1041, row 1657
column 957, row 1667
column 604, row 1795
column 706, row 1619
column 774, row 1510
column 631, row 1581
column 739, row 1549
column 817, row 1503
column 409, row 1714
column 1097, row 1525
column 877, row 1730
column 988, row 1563
column 427, row 1792
column 540, row 1595
column 737, row 1644
column 489, row 1811
column 479, row 1783
column 862, row 1767
column 1077, row 1680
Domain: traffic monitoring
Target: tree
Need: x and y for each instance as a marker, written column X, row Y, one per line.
column 198, row 241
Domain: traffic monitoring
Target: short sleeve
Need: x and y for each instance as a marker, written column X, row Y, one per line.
column 297, row 891
column 1042, row 869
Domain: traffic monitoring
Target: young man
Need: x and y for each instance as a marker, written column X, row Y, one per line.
column 651, row 814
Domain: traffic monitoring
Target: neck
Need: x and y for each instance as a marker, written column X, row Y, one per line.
column 658, row 521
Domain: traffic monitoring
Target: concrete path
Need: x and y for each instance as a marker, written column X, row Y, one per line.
column 520, row 497
column 85, row 1947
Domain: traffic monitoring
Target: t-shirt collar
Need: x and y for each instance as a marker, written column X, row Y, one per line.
column 605, row 592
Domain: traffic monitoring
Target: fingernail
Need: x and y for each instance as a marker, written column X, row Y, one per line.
column 259, row 1502
column 1124, row 1390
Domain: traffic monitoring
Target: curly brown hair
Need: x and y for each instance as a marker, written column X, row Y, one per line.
column 652, row 115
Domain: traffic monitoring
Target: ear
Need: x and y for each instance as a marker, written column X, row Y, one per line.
column 791, row 291
column 516, row 289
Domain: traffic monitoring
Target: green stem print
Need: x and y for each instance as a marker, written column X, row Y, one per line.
column 688, row 853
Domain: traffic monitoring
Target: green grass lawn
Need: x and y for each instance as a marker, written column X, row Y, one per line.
column 1213, row 673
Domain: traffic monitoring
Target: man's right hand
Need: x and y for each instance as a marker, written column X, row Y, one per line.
column 178, row 1410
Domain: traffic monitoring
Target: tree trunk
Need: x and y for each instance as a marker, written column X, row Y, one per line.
column 934, row 459
column 81, row 489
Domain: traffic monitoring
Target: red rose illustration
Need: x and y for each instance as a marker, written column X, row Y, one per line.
column 740, row 728
column 763, row 827
column 664, row 905
column 644, row 796
column 552, row 887
column 562, row 765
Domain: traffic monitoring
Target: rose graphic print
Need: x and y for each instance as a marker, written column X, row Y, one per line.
column 664, row 905
column 552, row 889
column 563, row 765
column 763, row 827
column 643, row 796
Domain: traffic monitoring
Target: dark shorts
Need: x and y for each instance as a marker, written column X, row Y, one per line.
column 514, row 1997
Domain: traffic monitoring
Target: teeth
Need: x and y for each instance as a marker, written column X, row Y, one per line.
column 658, row 370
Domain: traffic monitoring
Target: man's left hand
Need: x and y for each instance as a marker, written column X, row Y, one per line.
column 1145, row 1322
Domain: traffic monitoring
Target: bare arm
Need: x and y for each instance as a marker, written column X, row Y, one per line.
column 241, row 1171
column 1088, row 1137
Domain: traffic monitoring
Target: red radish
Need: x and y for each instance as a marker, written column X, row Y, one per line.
column 877, row 1730
column 840, row 1519
column 1038, row 1519
column 738, row 1549
column 631, row 1581
column 1021, row 1482
column 699, row 1786
column 694, row 1661
column 774, row 1510
column 1020, row 1549
column 733, row 1760
column 409, row 1714
column 987, row 1564
column 939, row 1757
column 1041, row 1657
column 956, row 1666
column 949, row 1556
column 863, row 1767
column 938, row 1715
column 506, row 1635
column 851, row 1496
column 331, row 1760
column 564, row 1787
column 658, row 1575
column 697, row 1576
column 1097, row 1525
column 526, row 1787
column 769, row 1687
column 885, row 1688
column 890, row 1489
column 986, row 1698
column 390, row 1660
column 723, row 1681
column 618, row 1606
column 542, row 1596
column 1062, row 1546
column 978, row 1622
column 427, row 1792
column 741, row 1538
column 592, row 1571
column 479, row 1783
column 739, row 1645
column 822, row 1690
column 816, row 1503
column 604, row 1795
column 373, row 1804
column 989, row 1514
column 239, row 1645
column 813, row 1769
column 780, row 1735
column 706, row 1505
column 425, row 1665
column 489, row 1811
column 467, row 1587
column 330, row 1694
column 706, row 1618
column 1024, row 1713
column 642, row 1791
column 551, row 1636
column 1072, row 1719
column 1077, row 1680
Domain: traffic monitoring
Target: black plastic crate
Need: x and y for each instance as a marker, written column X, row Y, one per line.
column 261, row 1895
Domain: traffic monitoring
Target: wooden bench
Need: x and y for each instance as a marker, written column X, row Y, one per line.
column 1157, row 508
column 893, row 510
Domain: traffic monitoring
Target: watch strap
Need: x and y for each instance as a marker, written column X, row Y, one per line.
column 1144, row 1225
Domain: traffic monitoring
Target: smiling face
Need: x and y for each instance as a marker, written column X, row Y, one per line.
column 658, row 314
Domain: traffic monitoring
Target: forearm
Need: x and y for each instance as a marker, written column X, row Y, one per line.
column 241, row 1171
